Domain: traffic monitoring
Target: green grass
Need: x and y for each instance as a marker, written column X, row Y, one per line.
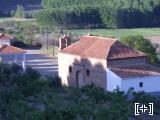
column 118, row 32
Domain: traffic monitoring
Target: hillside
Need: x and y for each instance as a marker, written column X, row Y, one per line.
column 103, row 13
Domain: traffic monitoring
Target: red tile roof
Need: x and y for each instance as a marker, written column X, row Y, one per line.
column 4, row 36
column 102, row 48
column 5, row 49
column 136, row 71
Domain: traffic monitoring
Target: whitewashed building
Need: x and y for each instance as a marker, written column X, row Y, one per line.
column 11, row 54
column 5, row 39
column 107, row 63
column 141, row 78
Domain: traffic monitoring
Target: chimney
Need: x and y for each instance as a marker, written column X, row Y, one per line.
column 68, row 40
column 64, row 42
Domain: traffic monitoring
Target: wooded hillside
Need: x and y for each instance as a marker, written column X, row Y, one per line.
column 100, row 13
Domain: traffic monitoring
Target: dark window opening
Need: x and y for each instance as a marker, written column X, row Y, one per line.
column 87, row 72
column 70, row 69
column 141, row 84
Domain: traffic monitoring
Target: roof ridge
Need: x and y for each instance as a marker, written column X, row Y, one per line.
column 110, row 48
column 101, row 47
column 106, row 38
column 4, row 49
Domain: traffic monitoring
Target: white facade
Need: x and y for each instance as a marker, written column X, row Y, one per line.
column 148, row 83
column 113, row 81
column 64, row 61
column 5, row 42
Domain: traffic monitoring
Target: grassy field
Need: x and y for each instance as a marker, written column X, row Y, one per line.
column 118, row 32
column 2, row 20
column 100, row 32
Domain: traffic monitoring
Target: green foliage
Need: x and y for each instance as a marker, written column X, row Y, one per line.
column 95, row 93
column 13, row 13
column 28, row 96
column 140, row 43
column 45, row 19
column 20, row 12
column 111, row 13
column 26, row 33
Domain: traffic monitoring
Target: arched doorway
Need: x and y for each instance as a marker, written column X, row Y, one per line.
column 79, row 79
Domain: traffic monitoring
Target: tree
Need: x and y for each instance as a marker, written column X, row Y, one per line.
column 30, row 31
column 13, row 13
column 47, row 22
column 111, row 13
column 140, row 43
column 20, row 12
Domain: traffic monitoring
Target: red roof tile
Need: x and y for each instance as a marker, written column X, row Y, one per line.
column 136, row 71
column 5, row 49
column 4, row 36
column 103, row 48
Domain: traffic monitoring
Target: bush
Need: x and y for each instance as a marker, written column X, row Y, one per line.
column 97, row 94
column 15, row 68
column 32, row 74
column 19, row 44
column 7, row 70
column 28, row 82
column 53, row 81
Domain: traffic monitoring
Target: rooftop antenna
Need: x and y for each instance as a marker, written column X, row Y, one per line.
column 89, row 30
column 89, row 27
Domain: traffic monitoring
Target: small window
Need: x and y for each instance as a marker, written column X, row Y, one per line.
column 70, row 69
column 87, row 72
column 141, row 84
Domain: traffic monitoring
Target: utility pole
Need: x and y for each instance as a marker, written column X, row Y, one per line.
column 53, row 47
column 47, row 41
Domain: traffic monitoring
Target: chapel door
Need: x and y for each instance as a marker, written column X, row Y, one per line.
column 79, row 79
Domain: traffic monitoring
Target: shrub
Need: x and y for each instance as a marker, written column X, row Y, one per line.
column 3, row 78
column 33, row 74
column 17, row 110
column 15, row 68
column 97, row 94
column 54, row 81
column 19, row 44
column 59, row 115
column 34, row 115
